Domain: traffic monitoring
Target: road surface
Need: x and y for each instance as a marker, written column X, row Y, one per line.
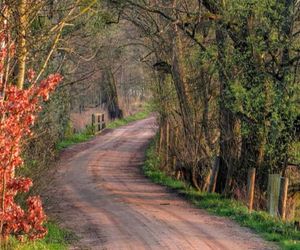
column 100, row 194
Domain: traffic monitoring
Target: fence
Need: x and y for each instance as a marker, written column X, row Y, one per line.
column 98, row 122
column 277, row 190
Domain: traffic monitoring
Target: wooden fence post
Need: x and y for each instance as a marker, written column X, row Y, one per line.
column 103, row 121
column 251, row 188
column 273, row 193
column 283, row 197
column 214, row 175
column 94, row 123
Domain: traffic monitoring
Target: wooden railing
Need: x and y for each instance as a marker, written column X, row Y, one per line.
column 98, row 122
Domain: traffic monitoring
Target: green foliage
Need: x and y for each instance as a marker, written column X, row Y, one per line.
column 48, row 131
column 263, row 92
column 272, row 229
column 295, row 152
column 56, row 239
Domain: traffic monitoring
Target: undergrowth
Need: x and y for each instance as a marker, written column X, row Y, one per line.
column 271, row 229
column 74, row 138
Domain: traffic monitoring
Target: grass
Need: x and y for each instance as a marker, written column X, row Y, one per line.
column 72, row 138
column 137, row 116
column 76, row 138
column 56, row 239
column 271, row 229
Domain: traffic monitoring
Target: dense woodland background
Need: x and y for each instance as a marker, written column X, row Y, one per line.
column 226, row 89
column 222, row 76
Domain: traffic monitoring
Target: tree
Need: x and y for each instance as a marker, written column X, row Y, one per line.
column 251, row 52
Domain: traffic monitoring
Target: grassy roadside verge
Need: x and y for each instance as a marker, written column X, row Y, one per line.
column 260, row 222
column 56, row 239
column 74, row 139
column 135, row 117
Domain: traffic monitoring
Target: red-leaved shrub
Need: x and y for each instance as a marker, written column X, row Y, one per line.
column 18, row 110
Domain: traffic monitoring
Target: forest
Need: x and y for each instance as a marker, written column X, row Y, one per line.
column 216, row 80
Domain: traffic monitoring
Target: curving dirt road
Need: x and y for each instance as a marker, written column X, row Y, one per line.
column 100, row 194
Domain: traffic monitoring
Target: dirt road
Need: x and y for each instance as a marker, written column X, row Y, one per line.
column 101, row 194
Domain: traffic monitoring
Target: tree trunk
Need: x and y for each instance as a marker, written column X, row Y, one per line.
column 21, row 46
column 181, row 86
column 194, row 176
column 113, row 106
column 228, row 123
